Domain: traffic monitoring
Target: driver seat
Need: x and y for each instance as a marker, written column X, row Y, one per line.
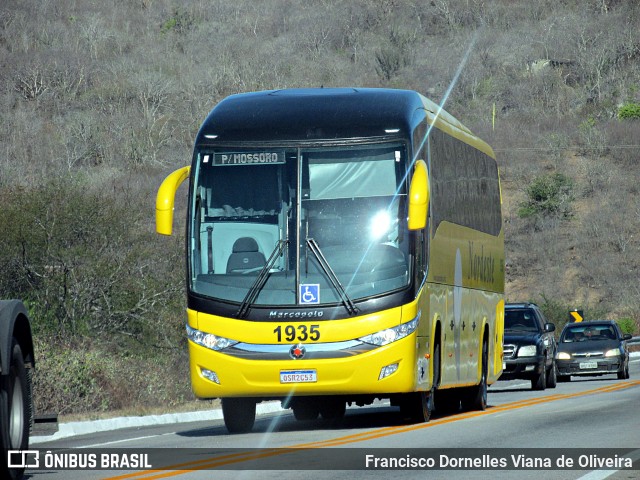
column 245, row 256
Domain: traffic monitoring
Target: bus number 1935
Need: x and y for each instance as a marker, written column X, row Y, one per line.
column 301, row 333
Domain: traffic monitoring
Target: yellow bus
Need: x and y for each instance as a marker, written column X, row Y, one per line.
column 343, row 245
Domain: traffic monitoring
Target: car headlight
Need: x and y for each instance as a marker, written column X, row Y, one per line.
column 527, row 351
column 390, row 335
column 614, row 352
column 563, row 356
column 209, row 340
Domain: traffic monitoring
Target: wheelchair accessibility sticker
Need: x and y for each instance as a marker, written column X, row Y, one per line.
column 309, row 294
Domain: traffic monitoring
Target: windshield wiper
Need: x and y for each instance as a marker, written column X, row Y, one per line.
column 333, row 278
column 261, row 279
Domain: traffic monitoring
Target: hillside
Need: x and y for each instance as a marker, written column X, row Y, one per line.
column 99, row 100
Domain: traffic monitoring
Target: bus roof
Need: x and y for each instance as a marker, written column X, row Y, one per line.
column 309, row 114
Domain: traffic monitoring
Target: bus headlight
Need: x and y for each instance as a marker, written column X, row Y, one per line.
column 527, row 351
column 390, row 335
column 209, row 340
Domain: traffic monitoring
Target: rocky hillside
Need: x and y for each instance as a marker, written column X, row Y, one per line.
column 99, row 99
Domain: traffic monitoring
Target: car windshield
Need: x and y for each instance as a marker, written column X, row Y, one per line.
column 582, row 333
column 520, row 321
column 329, row 219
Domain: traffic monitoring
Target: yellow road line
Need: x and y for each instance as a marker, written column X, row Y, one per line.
column 233, row 458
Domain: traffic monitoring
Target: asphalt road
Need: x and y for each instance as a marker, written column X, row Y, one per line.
column 598, row 413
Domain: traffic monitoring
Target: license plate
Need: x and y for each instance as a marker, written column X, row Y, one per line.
column 298, row 376
column 587, row 365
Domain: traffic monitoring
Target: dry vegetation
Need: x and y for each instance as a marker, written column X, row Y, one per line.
column 99, row 99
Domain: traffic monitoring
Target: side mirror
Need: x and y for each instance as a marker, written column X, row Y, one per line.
column 419, row 197
column 549, row 327
column 627, row 336
column 165, row 200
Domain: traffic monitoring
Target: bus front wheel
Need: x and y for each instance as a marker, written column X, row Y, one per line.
column 305, row 409
column 333, row 408
column 239, row 414
column 418, row 406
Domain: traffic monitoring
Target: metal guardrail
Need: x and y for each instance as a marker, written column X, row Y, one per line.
column 634, row 341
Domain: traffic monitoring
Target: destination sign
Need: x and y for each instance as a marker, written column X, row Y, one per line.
column 247, row 158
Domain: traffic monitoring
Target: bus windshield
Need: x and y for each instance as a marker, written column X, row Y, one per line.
column 258, row 213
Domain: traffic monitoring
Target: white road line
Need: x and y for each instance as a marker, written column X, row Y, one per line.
column 510, row 387
column 95, row 445
column 73, row 429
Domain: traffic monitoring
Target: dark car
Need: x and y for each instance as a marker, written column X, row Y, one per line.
column 592, row 348
column 529, row 346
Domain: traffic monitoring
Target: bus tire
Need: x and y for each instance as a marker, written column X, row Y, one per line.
column 418, row 406
column 15, row 412
column 333, row 408
column 305, row 409
column 239, row 414
column 476, row 397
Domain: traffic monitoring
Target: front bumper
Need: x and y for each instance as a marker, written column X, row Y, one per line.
column 358, row 374
column 522, row 368
column 591, row 366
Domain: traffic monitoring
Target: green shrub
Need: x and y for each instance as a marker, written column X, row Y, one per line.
column 80, row 259
column 68, row 378
column 627, row 325
column 180, row 22
column 87, row 376
column 629, row 111
column 557, row 312
column 548, row 195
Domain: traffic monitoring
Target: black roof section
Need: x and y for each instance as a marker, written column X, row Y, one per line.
column 312, row 114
